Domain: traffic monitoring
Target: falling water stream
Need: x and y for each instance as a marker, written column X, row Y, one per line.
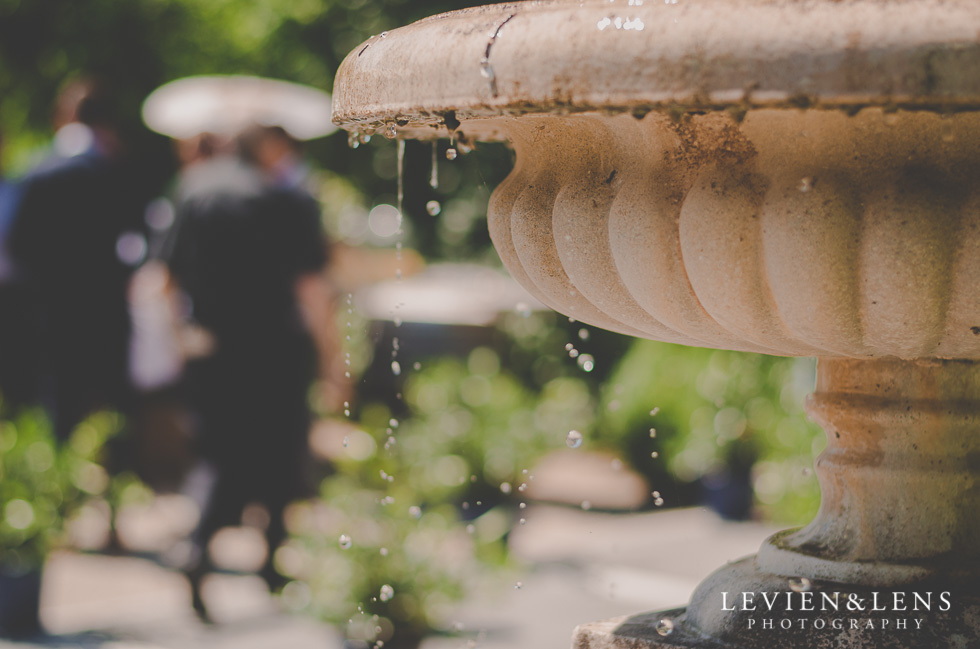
column 585, row 362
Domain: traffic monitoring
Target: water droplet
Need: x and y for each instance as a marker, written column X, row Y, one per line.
column 387, row 592
column 415, row 512
column 806, row 184
column 505, row 487
column 583, row 334
column 416, row 366
column 450, row 154
column 586, row 362
column 655, row 455
column 345, row 542
column 573, row 353
column 485, row 70
column 523, row 505
column 569, row 347
column 434, row 176
column 433, row 208
column 383, row 552
column 573, row 439
column 390, row 131
column 519, row 585
column 396, row 368
column 523, row 487
column 353, row 140
column 393, row 422
column 653, row 413
column 665, row 626
column 586, row 505
column 523, row 521
column 653, row 432
column 364, row 137
column 658, row 502
column 401, row 183
column 800, row 585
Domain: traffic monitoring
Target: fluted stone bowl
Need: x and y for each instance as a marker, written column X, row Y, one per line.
column 793, row 178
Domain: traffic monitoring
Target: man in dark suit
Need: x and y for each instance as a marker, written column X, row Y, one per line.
column 76, row 238
column 249, row 255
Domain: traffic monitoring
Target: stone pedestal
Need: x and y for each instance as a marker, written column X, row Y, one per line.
column 892, row 558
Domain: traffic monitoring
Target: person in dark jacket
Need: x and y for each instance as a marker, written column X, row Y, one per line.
column 249, row 256
column 75, row 239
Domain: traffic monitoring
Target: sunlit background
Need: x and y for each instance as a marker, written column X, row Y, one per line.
column 500, row 473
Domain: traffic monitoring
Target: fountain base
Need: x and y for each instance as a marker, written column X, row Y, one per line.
column 825, row 615
column 890, row 561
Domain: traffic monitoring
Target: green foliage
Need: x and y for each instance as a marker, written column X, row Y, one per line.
column 402, row 493
column 484, row 416
column 718, row 409
column 42, row 482
column 426, row 561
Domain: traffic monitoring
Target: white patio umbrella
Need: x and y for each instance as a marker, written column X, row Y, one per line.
column 224, row 105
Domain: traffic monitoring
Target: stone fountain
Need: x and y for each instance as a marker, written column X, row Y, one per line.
column 790, row 177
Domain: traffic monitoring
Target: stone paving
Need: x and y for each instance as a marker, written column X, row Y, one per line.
column 580, row 566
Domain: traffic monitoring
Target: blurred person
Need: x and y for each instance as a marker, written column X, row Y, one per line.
column 250, row 255
column 17, row 340
column 278, row 155
column 76, row 238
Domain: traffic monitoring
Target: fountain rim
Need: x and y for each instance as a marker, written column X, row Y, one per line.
column 819, row 61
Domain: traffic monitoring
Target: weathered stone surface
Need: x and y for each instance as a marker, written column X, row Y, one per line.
column 793, row 233
column 575, row 55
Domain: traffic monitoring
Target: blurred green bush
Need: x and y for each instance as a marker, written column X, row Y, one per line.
column 42, row 483
column 717, row 411
column 426, row 501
